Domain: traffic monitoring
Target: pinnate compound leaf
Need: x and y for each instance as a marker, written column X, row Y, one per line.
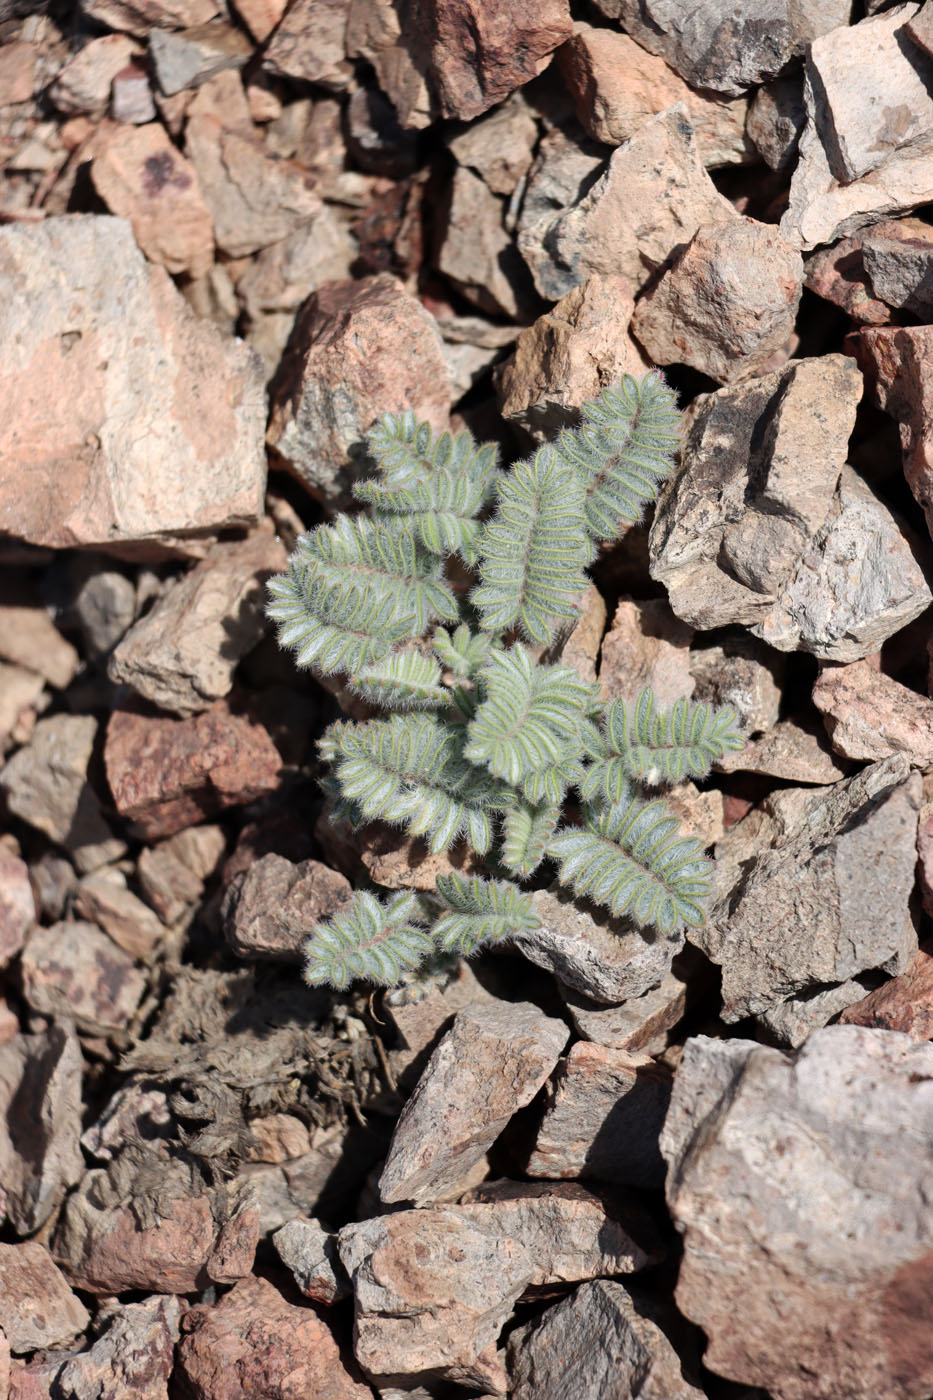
column 659, row 746
column 481, row 911
column 371, row 940
column 403, row 680
column 631, row 857
column 526, row 831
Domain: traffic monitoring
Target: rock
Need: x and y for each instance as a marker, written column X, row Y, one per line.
column 646, row 646
column 905, row 1003
column 40, row 1156
column 499, row 147
column 843, row 131
column 53, row 878
column 122, row 379
column 281, row 1191
column 727, row 304
column 640, row 1023
column 479, row 56
column 838, row 274
column 17, row 72
column 17, row 905
column 172, row 874
column 83, row 85
column 568, row 355
column 898, row 258
column 421, row 1020
column 925, row 846
column 278, row 1137
column 254, row 198
column 270, row 909
column 136, row 1352
column 260, row 16
column 579, row 648
column 284, row 275
column 359, row 349
column 29, row 638
column 608, row 960
column 604, row 1111
column 700, row 813
column 134, row 1112
column 131, row 99
column 74, row 970
column 791, row 1023
column 103, row 898
column 46, row 785
column 797, row 753
column 310, row 1254
column 616, row 86
column 142, row 177
column 400, row 61
column 183, row 1245
column 776, row 555
column 478, row 254
column 525, row 1235
column 255, row 1342
column 621, row 225
column 869, row 715
column 310, row 44
column 783, row 1175
column 166, row 774
column 874, row 93
column 776, row 117
column 187, row 59
column 399, row 861
column 21, row 696
column 713, row 46
column 37, row 1308
column 744, row 674
column 567, row 163
column 599, row 1344
column 103, row 602
column 375, row 140
column 827, row 901
column 139, row 16
column 897, row 361
column 182, row 654
column 491, row 1063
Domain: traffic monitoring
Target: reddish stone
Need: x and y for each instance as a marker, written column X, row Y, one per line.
column 484, row 51
column 898, row 362
column 166, row 774
column 903, row 1004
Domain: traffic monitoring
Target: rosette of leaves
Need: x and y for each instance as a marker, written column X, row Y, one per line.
column 482, row 740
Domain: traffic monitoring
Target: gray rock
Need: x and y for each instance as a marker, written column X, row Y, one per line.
column 717, row 46
column 899, row 260
column 603, row 1117
column 792, row 1020
column 565, row 167
column 826, row 900
column 310, row 1254
column 652, row 198
column 46, row 785
column 797, row 753
column 133, row 1357
column 188, row 58
column 491, row 1063
column 606, row 959
column 103, row 603
column 182, row 654
column 478, row 253
column 800, row 1184
column 870, row 715
column 761, row 521
column 37, row 1308
column 270, row 909
column 775, row 120
column 640, row 1023
column 499, row 147
column 104, row 898
column 40, row 1156
column 599, row 1344
column 744, row 674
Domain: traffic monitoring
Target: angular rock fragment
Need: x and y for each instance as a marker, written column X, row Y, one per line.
column 905, row 1003
column 775, row 120
column 616, row 86
column 142, row 177
column 792, row 1021
column 29, row 638
column 898, row 364
column 784, row 1174
column 602, row 1119
column 270, row 909
column 166, row 774
column 420, row 1021
column 480, row 55
column 134, row 1356
column 837, row 274
column 898, row 258
column 727, row 304
column 260, row 16
column 716, row 46
column 606, row 959
column 646, row 645
column 186, row 59
column 131, row 99
column 120, row 380
column 83, row 85
column 499, row 147
column 139, row 16
column 491, row 1062
column 37, row 1308
column 309, row 43
column 869, row 715
column 182, row 654
column 309, row 1252
column 255, row 1342
column 400, row 61
column 478, row 253
column 254, row 199
column 75, row 971
column 104, row 604
column 520, row 1236
column 21, row 693
column 829, row 898
column 761, row 521
column 172, row 873
column 796, row 753
column 743, row 673
column 622, row 224
column 284, row 275
column 46, row 785
column 17, row 905
column 568, row 355
column 103, row 897
column 640, row 1023
column 359, row 349
column 600, row 1343
column 40, row 1156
